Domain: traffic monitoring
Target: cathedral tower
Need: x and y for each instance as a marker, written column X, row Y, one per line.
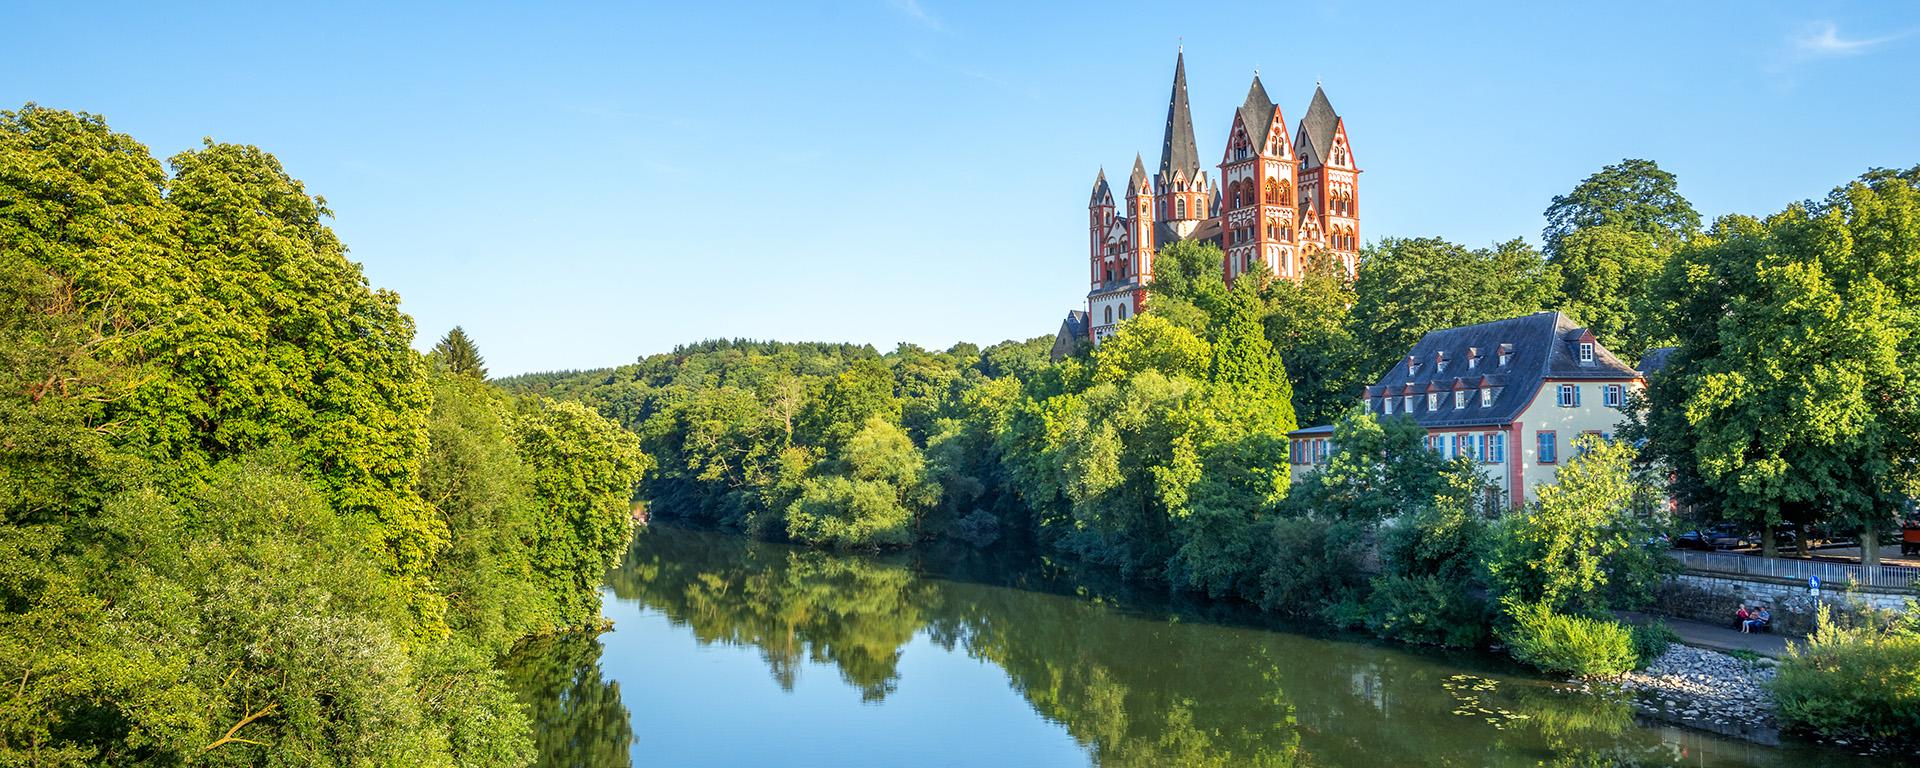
column 1329, row 183
column 1279, row 205
column 1182, row 192
column 1258, row 172
column 1100, row 221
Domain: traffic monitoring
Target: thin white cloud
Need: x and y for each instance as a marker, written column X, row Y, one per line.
column 1822, row 40
column 914, row 10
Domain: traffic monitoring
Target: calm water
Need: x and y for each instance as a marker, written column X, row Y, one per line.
column 728, row 652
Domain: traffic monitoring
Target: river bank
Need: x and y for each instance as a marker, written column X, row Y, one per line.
column 728, row 651
column 1707, row 689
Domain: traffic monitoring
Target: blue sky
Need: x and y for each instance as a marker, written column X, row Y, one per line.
column 582, row 184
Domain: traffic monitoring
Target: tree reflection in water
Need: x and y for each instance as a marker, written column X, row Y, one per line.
column 1132, row 677
column 577, row 715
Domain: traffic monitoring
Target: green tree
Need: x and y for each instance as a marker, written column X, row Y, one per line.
column 1187, row 280
column 584, row 472
column 475, row 480
column 1607, row 271
column 1243, row 456
column 845, row 402
column 1151, row 343
column 298, row 349
column 1407, row 287
column 869, row 495
column 1635, row 195
column 1580, row 549
column 460, row 355
column 1312, row 328
column 1788, row 399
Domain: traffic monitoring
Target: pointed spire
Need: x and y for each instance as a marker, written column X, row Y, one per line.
column 1318, row 126
column 1139, row 178
column 1102, row 195
column 1256, row 112
column 1177, row 152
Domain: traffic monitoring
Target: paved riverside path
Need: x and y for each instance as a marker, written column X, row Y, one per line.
column 1700, row 634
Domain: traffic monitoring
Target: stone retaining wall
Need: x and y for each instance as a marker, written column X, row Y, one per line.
column 1713, row 599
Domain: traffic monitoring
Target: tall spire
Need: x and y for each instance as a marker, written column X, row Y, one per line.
column 1138, row 180
column 1177, row 152
column 1318, row 126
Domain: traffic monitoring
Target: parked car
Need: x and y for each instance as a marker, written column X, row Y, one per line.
column 1716, row 537
column 1787, row 536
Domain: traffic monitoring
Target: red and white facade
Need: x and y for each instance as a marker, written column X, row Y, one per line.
column 1283, row 200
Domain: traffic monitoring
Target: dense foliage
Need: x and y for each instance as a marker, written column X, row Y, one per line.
column 1790, row 397
column 1858, row 681
column 1568, row 644
column 242, row 522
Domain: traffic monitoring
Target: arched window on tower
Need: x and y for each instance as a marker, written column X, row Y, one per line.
column 1109, row 315
column 1123, row 311
column 1180, row 209
column 1273, row 192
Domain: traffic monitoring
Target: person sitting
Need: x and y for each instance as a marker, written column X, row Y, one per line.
column 1762, row 621
column 1740, row 617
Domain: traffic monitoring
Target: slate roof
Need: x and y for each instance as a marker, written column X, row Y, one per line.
column 1123, row 284
column 1207, row 231
column 1139, row 176
column 1318, row 126
column 1256, row 113
column 1177, row 151
column 1072, row 333
column 1655, row 360
column 1075, row 324
column 1101, row 192
column 1545, row 346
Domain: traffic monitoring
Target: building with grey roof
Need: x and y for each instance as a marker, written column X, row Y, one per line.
column 1513, row 395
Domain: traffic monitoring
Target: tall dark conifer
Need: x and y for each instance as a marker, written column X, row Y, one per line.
column 457, row 351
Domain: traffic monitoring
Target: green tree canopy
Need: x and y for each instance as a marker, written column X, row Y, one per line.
column 1407, row 287
column 460, row 355
column 1789, row 397
column 868, row 495
column 1635, row 195
column 1606, row 272
column 1312, row 326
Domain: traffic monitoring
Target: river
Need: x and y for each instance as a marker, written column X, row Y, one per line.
column 730, row 652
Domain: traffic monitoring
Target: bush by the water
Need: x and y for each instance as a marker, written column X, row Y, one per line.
column 1651, row 640
column 1854, row 681
column 1565, row 644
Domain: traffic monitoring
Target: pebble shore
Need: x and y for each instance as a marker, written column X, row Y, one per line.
column 1708, row 689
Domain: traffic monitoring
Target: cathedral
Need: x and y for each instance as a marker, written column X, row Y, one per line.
column 1277, row 201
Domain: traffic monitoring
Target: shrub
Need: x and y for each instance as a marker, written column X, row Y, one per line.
column 1563, row 644
column 1650, row 640
column 1426, row 610
column 1303, row 565
column 1853, row 682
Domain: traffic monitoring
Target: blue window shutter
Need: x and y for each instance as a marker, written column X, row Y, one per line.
column 1576, row 395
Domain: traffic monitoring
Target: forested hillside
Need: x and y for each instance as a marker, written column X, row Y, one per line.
column 242, row 522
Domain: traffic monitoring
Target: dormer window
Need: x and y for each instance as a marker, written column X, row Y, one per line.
column 1459, row 399
column 1439, row 362
column 1473, row 358
column 1486, row 396
column 1433, row 401
column 1413, row 365
column 1506, row 354
column 1586, row 353
column 1387, row 405
column 1406, row 404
